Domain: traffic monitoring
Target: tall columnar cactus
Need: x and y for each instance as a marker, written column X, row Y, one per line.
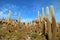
column 48, row 28
column 48, row 24
column 45, row 27
column 54, row 29
column 19, row 21
column 9, row 16
column 19, row 18
column 42, row 14
column 38, row 15
column 47, row 12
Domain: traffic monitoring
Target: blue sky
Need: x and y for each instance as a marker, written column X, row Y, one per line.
column 27, row 8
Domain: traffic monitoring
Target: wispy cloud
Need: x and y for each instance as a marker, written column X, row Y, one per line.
column 4, row 10
column 2, row 15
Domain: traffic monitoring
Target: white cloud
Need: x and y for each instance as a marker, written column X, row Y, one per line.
column 2, row 15
column 5, row 9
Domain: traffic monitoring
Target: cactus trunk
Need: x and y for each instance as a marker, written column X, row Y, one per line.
column 48, row 24
column 53, row 24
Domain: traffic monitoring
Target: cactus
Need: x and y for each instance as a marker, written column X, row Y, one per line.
column 49, row 32
column 38, row 15
column 54, row 30
column 48, row 28
column 47, row 12
column 9, row 16
column 42, row 14
column 19, row 18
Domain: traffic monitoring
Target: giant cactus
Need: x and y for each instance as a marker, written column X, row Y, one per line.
column 48, row 28
column 48, row 24
column 19, row 18
column 54, row 30
column 9, row 16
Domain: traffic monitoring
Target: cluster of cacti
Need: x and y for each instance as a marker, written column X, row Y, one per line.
column 37, row 30
column 51, row 27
